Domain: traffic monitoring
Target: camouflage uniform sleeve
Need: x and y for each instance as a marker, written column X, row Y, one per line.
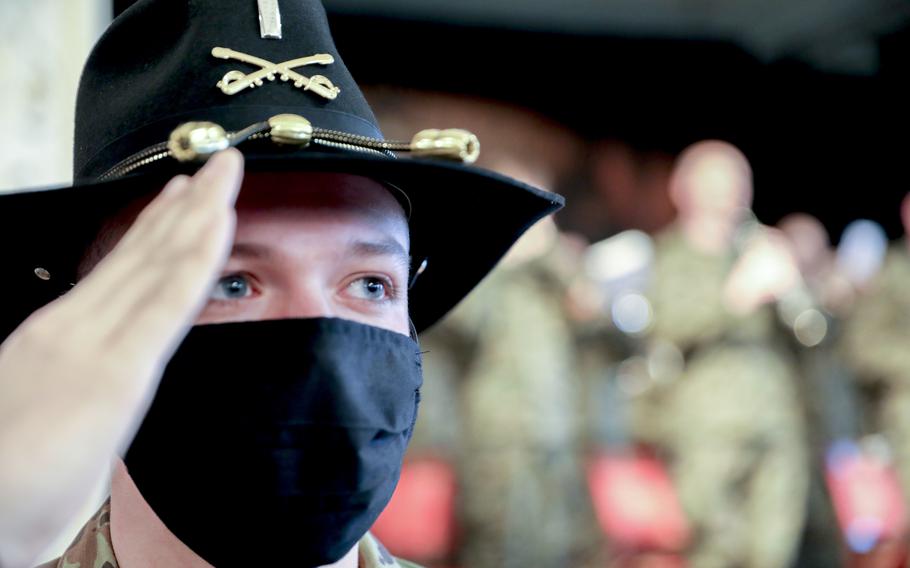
column 875, row 336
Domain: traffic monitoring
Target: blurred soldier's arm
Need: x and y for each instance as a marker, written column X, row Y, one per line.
column 77, row 377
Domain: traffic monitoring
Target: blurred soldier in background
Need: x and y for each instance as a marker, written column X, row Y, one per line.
column 875, row 344
column 611, row 313
column 521, row 495
column 811, row 247
column 633, row 496
column 807, row 313
column 731, row 420
column 522, row 499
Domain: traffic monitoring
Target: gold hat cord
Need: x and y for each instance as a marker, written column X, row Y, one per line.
column 197, row 141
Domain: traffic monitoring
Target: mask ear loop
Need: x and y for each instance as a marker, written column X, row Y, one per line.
column 417, row 390
column 418, row 272
column 413, row 331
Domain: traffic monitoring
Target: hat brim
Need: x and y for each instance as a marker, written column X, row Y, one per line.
column 462, row 221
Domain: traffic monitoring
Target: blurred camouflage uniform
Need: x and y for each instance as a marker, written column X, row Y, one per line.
column 730, row 421
column 875, row 343
column 508, row 350
column 92, row 548
column 604, row 352
column 830, row 405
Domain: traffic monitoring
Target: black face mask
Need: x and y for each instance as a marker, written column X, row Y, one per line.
column 278, row 443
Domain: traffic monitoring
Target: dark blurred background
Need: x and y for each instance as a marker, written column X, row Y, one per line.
column 811, row 91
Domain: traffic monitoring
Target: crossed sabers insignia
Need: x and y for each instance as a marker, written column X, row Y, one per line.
column 235, row 81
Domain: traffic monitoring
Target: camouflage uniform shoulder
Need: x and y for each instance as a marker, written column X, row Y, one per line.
column 92, row 546
column 875, row 332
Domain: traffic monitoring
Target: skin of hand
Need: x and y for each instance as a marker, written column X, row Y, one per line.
column 766, row 270
column 105, row 344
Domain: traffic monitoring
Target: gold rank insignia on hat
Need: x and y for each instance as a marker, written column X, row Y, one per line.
column 270, row 28
column 235, row 81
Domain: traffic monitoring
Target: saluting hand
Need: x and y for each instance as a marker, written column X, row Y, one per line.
column 77, row 377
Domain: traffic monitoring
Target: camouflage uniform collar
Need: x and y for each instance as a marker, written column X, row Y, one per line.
column 92, row 548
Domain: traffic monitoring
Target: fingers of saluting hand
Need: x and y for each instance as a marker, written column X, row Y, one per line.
column 91, row 359
column 143, row 296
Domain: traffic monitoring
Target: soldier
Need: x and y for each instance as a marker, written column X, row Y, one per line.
column 519, row 465
column 522, row 484
column 827, row 395
column 730, row 420
column 811, row 246
column 521, row 498
column 288, row 381
column 874, row 343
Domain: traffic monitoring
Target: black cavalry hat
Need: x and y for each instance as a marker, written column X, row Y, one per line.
column 173, row 81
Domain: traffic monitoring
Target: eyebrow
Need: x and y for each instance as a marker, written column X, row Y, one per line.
column 251, row 250
column 385, row 247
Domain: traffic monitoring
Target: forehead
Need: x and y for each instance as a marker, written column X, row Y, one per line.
column 317, row 190
column 326, row 200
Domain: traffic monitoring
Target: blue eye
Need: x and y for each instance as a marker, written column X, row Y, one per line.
column 370, row 288
column 233, row 287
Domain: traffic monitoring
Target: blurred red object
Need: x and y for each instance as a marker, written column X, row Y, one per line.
column 867, row 497
column 635, row 502
column 419, row 522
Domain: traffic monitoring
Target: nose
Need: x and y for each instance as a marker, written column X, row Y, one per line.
column 301, row 300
